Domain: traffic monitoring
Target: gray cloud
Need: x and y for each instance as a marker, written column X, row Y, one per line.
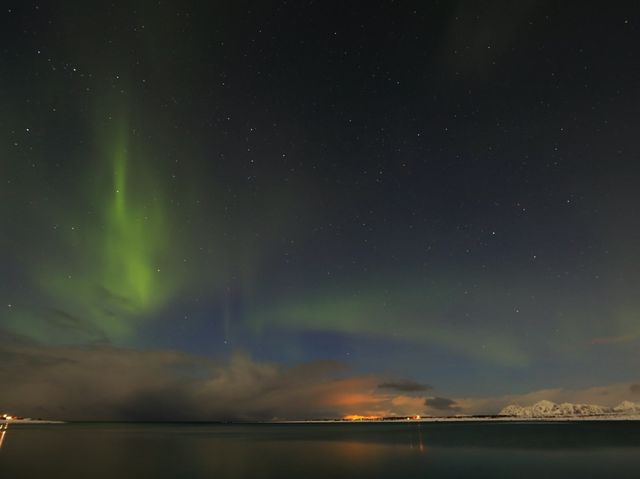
column 68, row 323
column 101, row 382
column 405, row 385
column 441, row 404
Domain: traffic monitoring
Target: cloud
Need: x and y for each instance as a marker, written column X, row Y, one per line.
column 72, row 325
column 606, row 395
column 442, row 404
column 626, row 338
column 102, row 382
column 405, row 385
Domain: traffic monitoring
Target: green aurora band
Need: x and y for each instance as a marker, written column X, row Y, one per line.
column 403, row 316
column 135, row 237
column 116, row 267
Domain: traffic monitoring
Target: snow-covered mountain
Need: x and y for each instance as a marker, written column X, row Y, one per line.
column 550, row 409
column 627, row 407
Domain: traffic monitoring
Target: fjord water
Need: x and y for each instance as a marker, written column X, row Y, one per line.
column 394, row 450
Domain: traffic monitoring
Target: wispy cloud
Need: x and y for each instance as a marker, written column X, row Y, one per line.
column 614, row 339
column 405, row 385
column 442, row 404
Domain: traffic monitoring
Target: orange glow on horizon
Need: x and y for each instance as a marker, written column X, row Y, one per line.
column 367, row 417
column 358, row 417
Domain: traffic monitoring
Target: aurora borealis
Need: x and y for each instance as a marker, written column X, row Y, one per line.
column 252, row 206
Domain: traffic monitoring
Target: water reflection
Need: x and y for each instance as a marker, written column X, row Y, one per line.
column 104, row 451
column 3, row 431
column 420, row 441
column 416, row 441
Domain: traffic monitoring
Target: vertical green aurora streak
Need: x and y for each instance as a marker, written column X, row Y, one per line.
column 116, row 266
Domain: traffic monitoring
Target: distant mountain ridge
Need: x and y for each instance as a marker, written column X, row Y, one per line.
column 546, row 408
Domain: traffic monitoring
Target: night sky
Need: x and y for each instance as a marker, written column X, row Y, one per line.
column 215, row 210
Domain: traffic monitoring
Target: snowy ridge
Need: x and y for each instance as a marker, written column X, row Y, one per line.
column 627, row 407
column 550, row 409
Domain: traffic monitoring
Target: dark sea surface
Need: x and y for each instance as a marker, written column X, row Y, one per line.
column 425, row 450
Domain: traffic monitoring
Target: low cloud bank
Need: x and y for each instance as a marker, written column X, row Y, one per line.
column 608, row 395
column 107, row 383
column 102, row 382
column 405, row 385
column 442, row 404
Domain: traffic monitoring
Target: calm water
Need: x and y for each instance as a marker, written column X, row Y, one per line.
column 580, row 450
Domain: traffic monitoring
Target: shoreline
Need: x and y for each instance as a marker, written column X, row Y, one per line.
column 30, row 421
column 635, row 417
column 443, row 419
